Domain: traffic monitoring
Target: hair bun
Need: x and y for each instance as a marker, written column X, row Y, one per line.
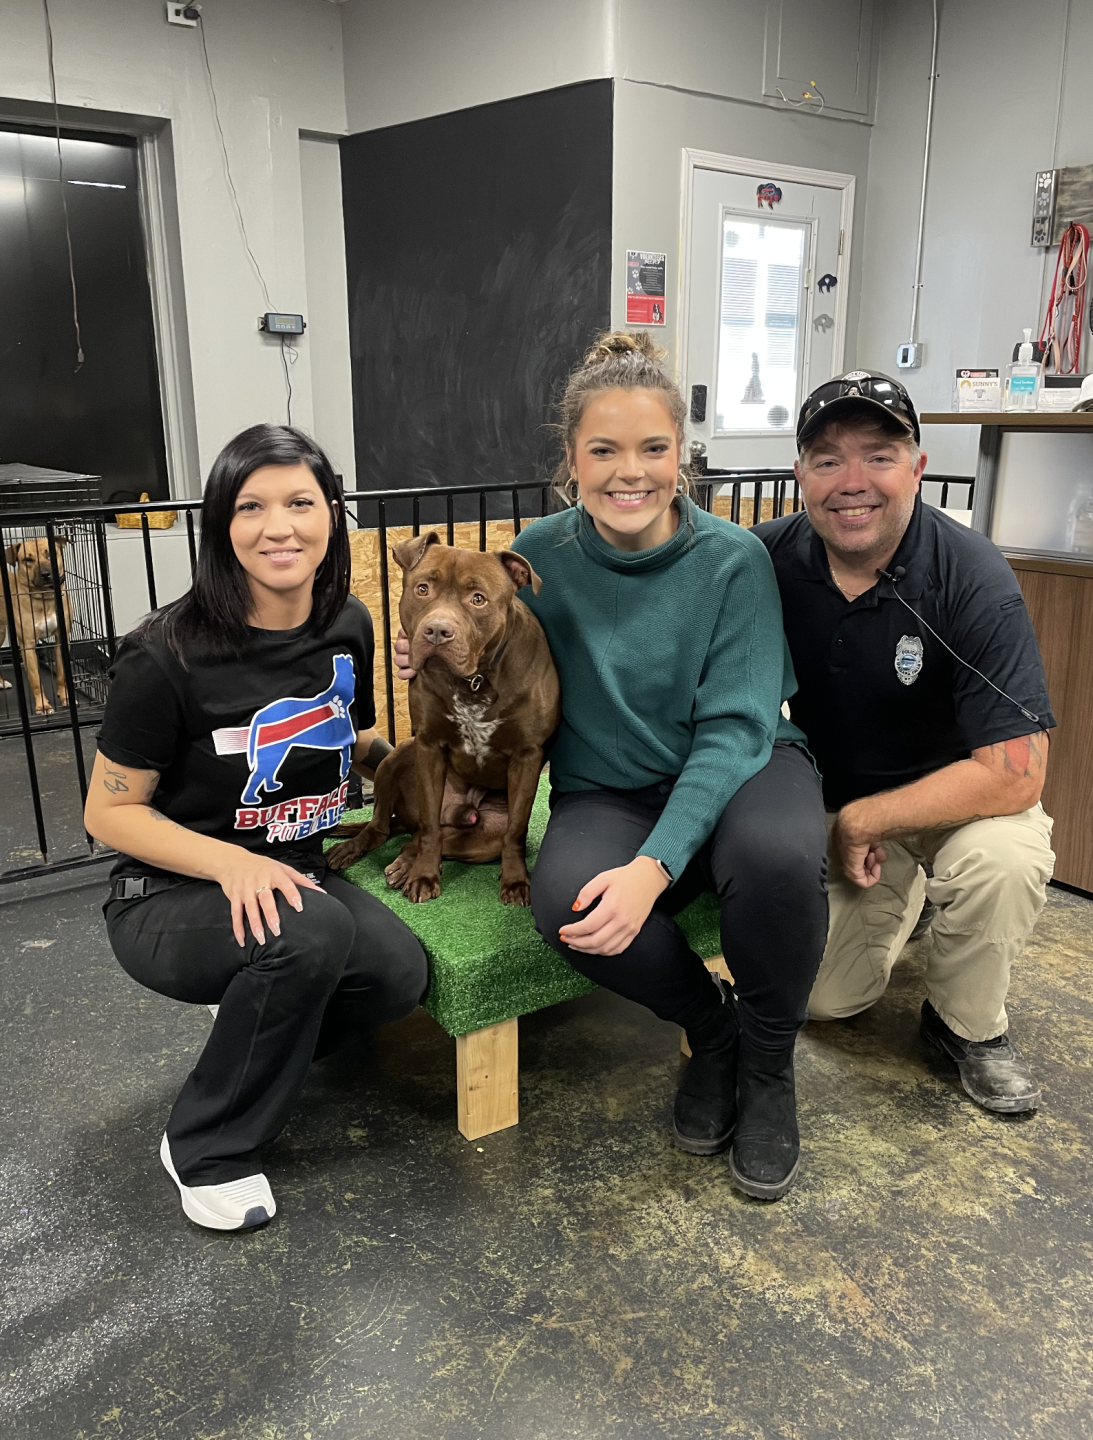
column 618, row 343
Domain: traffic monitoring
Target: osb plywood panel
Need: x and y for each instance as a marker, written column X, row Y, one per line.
column 366, row 585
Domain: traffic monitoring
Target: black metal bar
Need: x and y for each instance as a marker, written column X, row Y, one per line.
column 191, row 544
column 516, row 512
column 544, row 501
column 33, row 872
column 757, row 503
column 482, row 521
column 106, row 588
column 417, row 516
column 388, row 673
column 24, row 713
column 150, row 507
column 734, row 510
column 451, row 518
column 796, row 495
column 149, row 567
column 68, row 676
column 944, row 494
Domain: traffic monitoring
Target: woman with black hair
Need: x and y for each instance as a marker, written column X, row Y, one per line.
column 233, row 717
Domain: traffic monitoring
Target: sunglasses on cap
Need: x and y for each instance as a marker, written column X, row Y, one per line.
column 857, row 391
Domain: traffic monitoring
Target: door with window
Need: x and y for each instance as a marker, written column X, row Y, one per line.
column 765, row 306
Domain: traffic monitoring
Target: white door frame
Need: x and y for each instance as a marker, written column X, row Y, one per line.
column 758, row 170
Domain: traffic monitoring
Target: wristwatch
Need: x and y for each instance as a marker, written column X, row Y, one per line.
column 671, row 879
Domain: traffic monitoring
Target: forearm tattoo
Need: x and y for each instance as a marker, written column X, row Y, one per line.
column 376, row 752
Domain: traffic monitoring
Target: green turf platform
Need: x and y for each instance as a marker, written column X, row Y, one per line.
column 486, row 961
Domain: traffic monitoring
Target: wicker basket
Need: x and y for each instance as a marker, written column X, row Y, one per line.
column 157, row 519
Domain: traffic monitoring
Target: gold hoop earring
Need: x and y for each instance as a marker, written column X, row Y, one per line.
column 572, row 490
column 683, row 482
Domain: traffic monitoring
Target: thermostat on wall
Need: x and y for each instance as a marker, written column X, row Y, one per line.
column 278, row 324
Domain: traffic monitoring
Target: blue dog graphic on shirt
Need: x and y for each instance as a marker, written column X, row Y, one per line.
column 321, row 722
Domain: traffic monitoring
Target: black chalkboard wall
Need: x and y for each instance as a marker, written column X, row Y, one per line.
column 478, row 249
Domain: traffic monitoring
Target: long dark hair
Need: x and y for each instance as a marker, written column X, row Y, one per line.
column 213, row 612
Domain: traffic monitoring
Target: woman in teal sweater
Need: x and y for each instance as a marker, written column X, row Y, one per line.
column 673, row 768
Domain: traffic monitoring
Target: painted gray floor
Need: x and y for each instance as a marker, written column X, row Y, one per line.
column 930, row 1275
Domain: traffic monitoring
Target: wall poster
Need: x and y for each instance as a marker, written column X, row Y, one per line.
column 645, row 287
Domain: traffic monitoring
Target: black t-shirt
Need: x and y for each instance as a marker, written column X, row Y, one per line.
column 881, row 701
column 253, row 750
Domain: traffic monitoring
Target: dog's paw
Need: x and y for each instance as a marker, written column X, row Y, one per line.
column 421, row 888
column 344, row 854
column 43, row 708
column 395, row 874
column 516, row 892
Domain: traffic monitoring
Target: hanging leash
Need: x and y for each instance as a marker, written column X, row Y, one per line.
column 1062, row 329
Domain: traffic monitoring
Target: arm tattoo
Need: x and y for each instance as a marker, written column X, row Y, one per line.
column 114, row 780
column 163, row 819
column 1021, row 756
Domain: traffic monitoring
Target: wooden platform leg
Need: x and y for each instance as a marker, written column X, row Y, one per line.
column 487, row 1073
column 716, row 965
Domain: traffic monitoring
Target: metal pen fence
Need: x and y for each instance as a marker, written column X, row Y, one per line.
column 60, row 611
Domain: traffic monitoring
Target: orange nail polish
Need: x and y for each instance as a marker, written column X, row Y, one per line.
column 575, row 905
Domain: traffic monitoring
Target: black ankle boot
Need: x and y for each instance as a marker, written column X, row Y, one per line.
column 705, row 1110
column 766, row 1148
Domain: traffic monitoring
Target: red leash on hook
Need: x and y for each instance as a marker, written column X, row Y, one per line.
column 1062, row 328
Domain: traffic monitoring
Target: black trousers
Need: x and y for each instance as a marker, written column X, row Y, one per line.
column 767, row 862
column 341, row 966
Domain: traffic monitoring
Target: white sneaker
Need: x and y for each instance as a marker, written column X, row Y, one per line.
column 238, row 1205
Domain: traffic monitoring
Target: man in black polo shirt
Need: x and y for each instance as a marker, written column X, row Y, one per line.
column 925, row 762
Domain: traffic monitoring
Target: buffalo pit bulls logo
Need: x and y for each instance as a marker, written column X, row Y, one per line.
column 908, row 659
column 317, row 722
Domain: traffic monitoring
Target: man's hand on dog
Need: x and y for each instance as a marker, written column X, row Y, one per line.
column 626, row 896
column 402, row 657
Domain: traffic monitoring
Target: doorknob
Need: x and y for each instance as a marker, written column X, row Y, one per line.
column 698, row 403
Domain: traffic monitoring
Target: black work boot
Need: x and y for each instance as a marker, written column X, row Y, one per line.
column 766, row 1149
column 705, row 1110
column 993, row 1072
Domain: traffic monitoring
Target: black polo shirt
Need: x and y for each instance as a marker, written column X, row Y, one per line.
column 881, row 701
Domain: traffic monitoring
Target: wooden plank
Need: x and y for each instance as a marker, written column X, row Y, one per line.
column 716, row 965
column 1050, row 564
column 1014, row 419
column 1061, row 606
column 487, row 1074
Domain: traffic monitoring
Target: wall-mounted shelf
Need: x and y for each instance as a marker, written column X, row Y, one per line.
column 1013, row 419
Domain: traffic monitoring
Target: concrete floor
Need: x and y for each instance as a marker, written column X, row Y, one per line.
column 930, row 1275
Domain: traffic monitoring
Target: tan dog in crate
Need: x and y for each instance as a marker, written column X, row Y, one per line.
column 34, row 603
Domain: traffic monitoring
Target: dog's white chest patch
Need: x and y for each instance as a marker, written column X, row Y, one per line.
column 474, row 732
column 45, row 626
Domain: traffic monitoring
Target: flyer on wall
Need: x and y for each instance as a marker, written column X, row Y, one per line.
column 645, row 287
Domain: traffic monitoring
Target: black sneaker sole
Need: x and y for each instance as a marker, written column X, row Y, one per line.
column 759, row 1191
column 702, row 1147
column 1017, row 1105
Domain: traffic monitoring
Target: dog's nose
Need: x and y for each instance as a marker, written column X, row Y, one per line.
column 438, row 632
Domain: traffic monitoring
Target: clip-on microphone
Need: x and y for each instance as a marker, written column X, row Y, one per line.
column 898, row 574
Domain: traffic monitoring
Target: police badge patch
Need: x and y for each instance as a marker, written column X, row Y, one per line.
column 908, row 659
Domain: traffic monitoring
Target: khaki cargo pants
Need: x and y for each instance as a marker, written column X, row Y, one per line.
column 989, row 885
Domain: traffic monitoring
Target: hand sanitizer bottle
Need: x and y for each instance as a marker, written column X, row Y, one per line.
column 1024, row 379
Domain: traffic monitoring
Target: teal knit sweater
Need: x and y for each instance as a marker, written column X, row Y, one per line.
column 672, row 661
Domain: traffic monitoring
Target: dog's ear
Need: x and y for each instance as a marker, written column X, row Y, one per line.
column 11, row 554
column 60, row 540
column 520, row 572
column 410, row 552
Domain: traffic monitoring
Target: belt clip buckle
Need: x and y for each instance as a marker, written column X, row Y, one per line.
column 133, row 887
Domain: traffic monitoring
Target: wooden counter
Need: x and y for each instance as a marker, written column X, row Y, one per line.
column 1059, row 596
column 1013, row 419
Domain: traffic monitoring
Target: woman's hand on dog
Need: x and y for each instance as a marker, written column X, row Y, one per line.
column 402, row 657
column 249, row 882
column 626, row 896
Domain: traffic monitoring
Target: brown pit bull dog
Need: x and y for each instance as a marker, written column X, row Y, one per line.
column 483, row 703
column 35, row 605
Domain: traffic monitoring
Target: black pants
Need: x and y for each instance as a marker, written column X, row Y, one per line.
column 341, row 966
column 767, row 862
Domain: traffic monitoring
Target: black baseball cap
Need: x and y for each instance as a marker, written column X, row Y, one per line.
column 857, row 392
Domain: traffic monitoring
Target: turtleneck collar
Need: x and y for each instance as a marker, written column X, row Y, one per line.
column 636, row 562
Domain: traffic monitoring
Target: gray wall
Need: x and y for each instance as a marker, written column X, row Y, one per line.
column 1001, row 92
column 278, row 65
column 405, row 61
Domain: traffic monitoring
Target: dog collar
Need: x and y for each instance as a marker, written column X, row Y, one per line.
column 475, row 681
